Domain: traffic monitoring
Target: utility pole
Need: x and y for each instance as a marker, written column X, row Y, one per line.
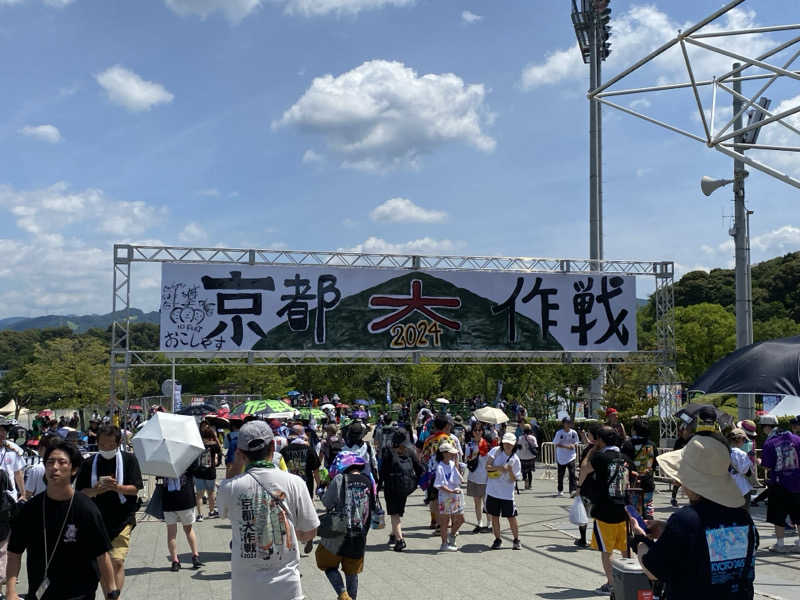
column 741, row 238
column 592, row 31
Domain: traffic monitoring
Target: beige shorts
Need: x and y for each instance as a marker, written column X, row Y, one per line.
column 476, row 490
column 120, row 544
column 185, row 517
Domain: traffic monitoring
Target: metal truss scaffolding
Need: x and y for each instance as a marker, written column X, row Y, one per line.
column 123, row 358
column 727, row 138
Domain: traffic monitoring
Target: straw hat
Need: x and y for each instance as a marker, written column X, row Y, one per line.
column 702, row 466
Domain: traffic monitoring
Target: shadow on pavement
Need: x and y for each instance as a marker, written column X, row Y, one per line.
column 200, row 576
column 133, row 571
column 567, row 593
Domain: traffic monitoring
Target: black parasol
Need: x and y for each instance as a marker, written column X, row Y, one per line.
column 691, row 412
column 771, row 367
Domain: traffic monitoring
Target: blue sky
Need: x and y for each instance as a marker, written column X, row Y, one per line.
column 432, row 126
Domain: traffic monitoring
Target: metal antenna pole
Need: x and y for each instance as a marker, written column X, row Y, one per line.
column 741, row 238
column 595, row 178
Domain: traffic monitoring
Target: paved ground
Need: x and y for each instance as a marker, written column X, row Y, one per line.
column 549, row 566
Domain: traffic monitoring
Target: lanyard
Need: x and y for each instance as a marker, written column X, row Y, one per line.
column 47, row 560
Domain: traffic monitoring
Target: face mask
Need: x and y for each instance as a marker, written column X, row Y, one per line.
column 108, row 454
column 748, row 446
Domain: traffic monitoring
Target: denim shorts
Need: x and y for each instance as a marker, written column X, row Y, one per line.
column 204, row 485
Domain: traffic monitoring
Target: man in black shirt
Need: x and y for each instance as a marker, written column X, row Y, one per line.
column 605, row 487
column 113, row 479
column 707, row 549
column 179, row 503
column 64, row 536
column 301, row 460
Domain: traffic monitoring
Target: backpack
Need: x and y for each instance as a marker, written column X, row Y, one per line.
column 618, row 480
column 332, row 448
column 402, row 476
column 386, row 437
column 8, row 508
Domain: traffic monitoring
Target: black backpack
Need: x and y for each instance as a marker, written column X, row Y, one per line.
column 8, row 508
column 402, row 476
column 332, row 448
column 618, row 480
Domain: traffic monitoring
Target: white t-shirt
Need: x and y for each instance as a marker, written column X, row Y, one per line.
column 525, row 443
column 11, row 460
column 564, row 456
column 265, row 556
column 35, row 484
column 503, row 487
column 447, row 475
column 741, row 464
column 479, row 475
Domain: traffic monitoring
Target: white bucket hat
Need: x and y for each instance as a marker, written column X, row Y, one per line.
column 702, row 466
column 447, row 448
column 510, row 438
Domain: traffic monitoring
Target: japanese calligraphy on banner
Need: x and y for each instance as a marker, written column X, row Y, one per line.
column 241, row 307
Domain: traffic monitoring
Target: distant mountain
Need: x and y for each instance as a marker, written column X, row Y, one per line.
column 78, row 324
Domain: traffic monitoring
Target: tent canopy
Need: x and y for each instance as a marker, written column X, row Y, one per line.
column 788, row 407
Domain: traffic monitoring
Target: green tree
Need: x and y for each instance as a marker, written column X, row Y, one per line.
column 68, row 372
column 626, row 389
column 704, row 333
column 774, row 328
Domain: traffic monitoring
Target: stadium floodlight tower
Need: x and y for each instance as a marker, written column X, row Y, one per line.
column 592, row 29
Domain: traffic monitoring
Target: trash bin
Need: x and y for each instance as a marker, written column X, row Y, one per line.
column 630, row 582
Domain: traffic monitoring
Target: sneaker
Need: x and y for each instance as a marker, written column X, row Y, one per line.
column 344, row 596
column 516, row 545
column 392, row 540
column 199, row 518
column 444, row 548
column 780, row 548
column 560, row 494
column 580, row 543
column 496, row 544
column 452, row 548
column 308, row 547
column 477, row 529
column 605, row 589
column 196, row 564
column 214, row 514
column 674, row 502
column 176, row 566
column 573, row 494
column 400, row 545
column 451, row 540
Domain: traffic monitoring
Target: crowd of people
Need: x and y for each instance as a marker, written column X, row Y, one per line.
column 274, row 469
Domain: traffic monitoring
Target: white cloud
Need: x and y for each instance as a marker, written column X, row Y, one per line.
column 309, row 156
column 192, row 233
column 639, row 31
column 640, row 103
column 643, row 171
column 61, row 263
column 45, row 133
column 234, row 10
column 349, row 223
column 424, row 245
column 49, row 211
column 314, row 8
column 126, row 88
column 783, row 239
column 470, row 17
column 382, row 114
column 403, row 210
column 208, row 192
column 58, row 3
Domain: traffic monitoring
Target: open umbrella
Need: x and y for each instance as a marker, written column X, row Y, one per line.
column 362, row 402
column 442, row 401
column 327, row 406
column 218, row 421
column 360, row 414
column 769, row 367
column 307, row 413
column 342, row 405
column 167, row 444
column 293, row 393
column 197, row 410
column 275, row 409
column 46, row 413
column 490, row 414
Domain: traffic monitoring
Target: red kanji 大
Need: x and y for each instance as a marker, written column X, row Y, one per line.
column 405, row 305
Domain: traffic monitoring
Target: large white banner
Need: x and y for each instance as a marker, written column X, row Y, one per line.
column 239, row 307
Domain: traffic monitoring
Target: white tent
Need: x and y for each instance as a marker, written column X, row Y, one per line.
column 788, row 407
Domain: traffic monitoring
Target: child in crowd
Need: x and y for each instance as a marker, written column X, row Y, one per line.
column 451, row 501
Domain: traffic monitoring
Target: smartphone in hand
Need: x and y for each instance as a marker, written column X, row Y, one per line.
column 635, row 514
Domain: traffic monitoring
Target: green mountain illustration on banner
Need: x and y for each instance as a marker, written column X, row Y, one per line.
column 347, row 323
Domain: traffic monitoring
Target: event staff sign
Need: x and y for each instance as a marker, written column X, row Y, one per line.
column 240, row 307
